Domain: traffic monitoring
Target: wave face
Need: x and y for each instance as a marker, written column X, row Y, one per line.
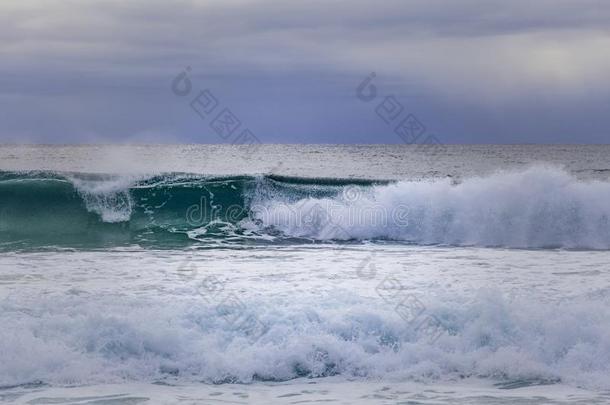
column 44, row 208
column 541, row 207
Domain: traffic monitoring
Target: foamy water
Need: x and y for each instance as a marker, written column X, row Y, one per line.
column 208, row 288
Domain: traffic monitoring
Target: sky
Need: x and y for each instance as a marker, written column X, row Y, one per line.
column 332, row 71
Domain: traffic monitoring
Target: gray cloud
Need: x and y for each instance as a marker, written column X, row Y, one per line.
column 82, row 71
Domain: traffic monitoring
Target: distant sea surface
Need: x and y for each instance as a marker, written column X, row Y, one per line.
column 305, row 273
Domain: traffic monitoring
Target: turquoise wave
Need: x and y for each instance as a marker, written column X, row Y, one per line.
column 92, row 210
column 538, row 208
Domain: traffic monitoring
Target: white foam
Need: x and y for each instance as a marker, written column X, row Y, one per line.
column 109, row 198
column 77, row 340
column 536, row 208
column 139, row 315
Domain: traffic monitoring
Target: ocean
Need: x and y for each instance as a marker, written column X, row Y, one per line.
column 385, row 274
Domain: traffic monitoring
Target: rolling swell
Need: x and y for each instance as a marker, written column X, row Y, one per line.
column 76, row 209
column 541, row 207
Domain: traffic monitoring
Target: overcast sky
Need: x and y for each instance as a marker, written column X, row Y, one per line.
column 470, row 71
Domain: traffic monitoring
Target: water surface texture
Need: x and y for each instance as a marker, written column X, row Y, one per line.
column 294, row 274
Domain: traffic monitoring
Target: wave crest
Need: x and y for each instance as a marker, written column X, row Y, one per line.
column 541, row 207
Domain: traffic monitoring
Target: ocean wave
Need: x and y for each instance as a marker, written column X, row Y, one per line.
column 66, row 340
column 540, row 207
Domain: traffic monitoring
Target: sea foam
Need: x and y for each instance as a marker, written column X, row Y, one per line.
column 69, row 340
column 539, row 207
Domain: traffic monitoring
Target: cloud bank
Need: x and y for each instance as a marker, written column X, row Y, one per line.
column 472, row 70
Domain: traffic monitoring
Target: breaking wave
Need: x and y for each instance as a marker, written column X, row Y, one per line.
column 541, row 207
column 67, row 340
